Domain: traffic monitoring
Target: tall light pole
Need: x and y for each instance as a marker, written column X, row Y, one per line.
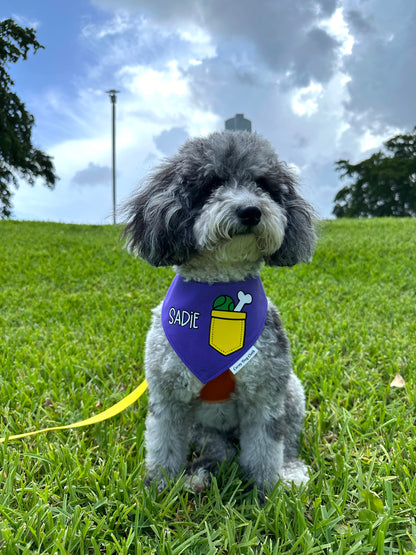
column 113, row 98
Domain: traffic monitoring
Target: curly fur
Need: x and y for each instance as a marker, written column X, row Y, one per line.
column 219, row 209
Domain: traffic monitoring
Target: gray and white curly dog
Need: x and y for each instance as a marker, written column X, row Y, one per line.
column 218, row 210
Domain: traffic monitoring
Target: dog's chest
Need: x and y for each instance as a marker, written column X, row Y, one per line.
column 221, row 416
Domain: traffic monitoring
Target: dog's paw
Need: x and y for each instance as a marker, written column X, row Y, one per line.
column 198, row 481
column 160, row 481
column 295, row 472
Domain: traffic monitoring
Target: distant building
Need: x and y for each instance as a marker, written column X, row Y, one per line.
column 238, row 123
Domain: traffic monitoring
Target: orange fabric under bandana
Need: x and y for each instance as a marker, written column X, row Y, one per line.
column 219, row 389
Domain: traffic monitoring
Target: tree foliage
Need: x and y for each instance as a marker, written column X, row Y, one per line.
column 384, row 184
column 18, row 157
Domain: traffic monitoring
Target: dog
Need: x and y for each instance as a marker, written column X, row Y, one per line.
column 218, row 210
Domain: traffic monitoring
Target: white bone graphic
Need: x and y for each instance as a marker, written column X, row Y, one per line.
column 243, row 299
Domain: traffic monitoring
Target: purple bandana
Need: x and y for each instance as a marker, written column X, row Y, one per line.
column 212, row 326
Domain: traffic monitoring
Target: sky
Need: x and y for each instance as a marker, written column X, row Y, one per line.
column 322, row 80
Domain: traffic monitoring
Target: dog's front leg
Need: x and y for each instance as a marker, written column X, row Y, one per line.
column 167, row 441
column 262, row 445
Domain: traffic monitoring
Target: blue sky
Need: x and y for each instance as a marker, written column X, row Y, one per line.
column 321, row 79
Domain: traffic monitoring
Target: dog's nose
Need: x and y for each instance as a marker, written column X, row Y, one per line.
column 251, row 215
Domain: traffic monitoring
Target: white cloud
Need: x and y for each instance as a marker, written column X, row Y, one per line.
column 281, row 36
column 372, row 141
column 164, row 88
column 338, row 28
column 305, row 101
column 24, row 21
column 120, row 23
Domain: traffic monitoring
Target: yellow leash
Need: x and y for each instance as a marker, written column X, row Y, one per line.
column 105, row 415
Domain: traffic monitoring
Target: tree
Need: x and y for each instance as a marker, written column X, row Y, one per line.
column 18, row 157
column 385, row 184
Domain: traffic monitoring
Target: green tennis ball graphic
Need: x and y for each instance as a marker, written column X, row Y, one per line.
column 223, row 302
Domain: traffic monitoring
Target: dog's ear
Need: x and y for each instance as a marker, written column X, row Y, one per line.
column 159, row 223
column 300, row 238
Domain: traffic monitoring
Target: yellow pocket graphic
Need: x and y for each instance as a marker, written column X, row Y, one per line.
column 227, row 331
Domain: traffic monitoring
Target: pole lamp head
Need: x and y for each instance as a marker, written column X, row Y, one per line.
column 113, row 95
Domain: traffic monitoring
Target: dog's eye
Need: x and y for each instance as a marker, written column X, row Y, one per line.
column 263, row 182
column 202, row 191
column 213, row 182
column 269, row 187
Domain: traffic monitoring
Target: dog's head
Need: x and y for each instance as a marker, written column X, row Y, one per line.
column 229, row 186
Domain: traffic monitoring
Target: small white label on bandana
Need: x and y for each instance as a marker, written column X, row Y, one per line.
column 237, row 366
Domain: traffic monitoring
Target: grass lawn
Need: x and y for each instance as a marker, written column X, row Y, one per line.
column 74, row 311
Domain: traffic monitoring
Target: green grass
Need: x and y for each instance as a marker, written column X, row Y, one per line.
column 74, row 311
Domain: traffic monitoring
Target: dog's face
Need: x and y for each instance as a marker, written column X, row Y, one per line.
column 226, row 194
